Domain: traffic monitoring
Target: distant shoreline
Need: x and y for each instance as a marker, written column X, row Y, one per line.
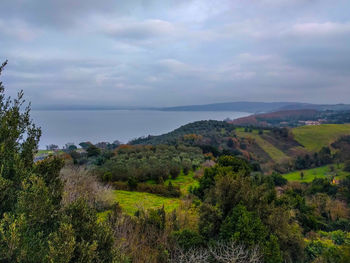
column 242, row 106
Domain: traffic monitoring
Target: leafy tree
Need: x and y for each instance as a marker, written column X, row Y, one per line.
column 34, row 226
column 72, row 148
column 85, row 145
column 61, row 244
column 230, row 143
column 188, row 239
column 244, row 227
column 278, row 179
column 93, row 151
column 19, row 139
column 132, row 183
column 347, row 166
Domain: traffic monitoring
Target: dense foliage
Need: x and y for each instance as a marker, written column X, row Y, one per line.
column 142, row 163
column 34, row 226
column 200, row 132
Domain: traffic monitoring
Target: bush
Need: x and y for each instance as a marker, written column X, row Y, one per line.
column 187, row 239
column 347, row 166
column 279, row 180
column 132, row 183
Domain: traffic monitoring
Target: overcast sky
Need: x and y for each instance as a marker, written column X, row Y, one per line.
column 166, row 53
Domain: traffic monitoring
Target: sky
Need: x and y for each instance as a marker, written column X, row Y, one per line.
column 169, row 53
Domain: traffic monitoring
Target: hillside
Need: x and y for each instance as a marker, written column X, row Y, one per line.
column 269, row 146
column 294, row 118
column 328, row 171
column 258, row 107
column 313, row 138
column 276, row 118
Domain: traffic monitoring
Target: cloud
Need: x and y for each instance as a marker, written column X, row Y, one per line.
column 18, row 30
column 146, row 29
column 137, row 52
column 320, row 29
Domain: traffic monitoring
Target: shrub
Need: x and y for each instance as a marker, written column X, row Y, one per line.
column 187, row 239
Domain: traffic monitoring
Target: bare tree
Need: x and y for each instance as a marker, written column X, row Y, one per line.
column 79, row 183
column 234, row 253
column 194, row 255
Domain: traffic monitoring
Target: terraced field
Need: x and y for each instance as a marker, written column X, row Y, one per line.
column 313, row 138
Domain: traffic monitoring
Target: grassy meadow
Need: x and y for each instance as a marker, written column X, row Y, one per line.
column 313, row 138
column 130, row 201
column 319, row 172
column 183, row 181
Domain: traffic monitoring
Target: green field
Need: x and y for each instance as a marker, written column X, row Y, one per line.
column 313, row 138
column 40, row 152
column 184, row 181
column 319, row 172
column 130, row 202
column 276, row 154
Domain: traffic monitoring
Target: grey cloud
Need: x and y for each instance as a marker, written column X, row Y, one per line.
column 140, row 30
column 171, row 53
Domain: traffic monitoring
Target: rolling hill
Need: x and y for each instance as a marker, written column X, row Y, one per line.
column 258, row 107
column 313, row 138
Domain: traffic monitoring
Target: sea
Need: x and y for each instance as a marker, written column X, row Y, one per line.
column 76, row 126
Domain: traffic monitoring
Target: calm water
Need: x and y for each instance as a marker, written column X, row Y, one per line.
column 60, row 127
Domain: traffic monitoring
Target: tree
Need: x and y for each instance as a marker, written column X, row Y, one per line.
column 187, row 239
column 19, row 139
column 132, row 183
column 72, row 148
column 230, row 143
column 93, row 151
column 347, row 166
column 61, row 244
column 302, row 175
column 33, row 223
column 244, row 227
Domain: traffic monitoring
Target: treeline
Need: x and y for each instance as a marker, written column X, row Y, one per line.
column 325, row 156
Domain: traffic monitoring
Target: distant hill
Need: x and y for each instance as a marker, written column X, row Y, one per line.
column 240, row 106
column 275, row 118
column 273, row 148
column 294, row 118
column 257, row 107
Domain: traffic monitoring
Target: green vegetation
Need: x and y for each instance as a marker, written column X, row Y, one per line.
column 130, row 202
column 149, row 163
column 48, row 210
column 328, row 171
column 275, row 154
column 34, row 224
column 40, row 152
column 209, row 129
column 313, row 138
column 183, row 181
